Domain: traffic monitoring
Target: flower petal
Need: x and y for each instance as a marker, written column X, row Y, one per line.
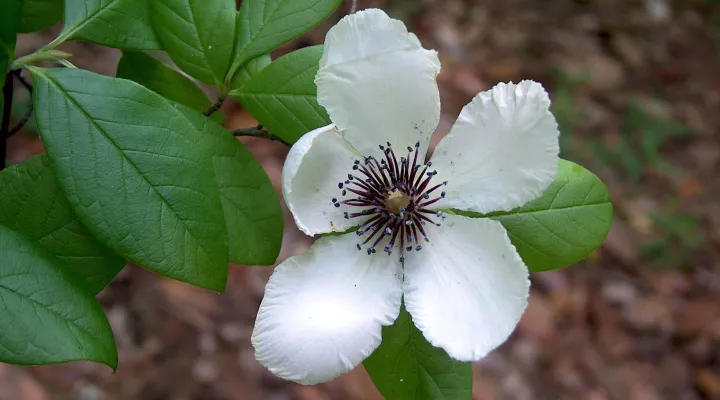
column 324, row 309
column 502, row 152
column 314, row 166
column 378, row 83
column 467, row 288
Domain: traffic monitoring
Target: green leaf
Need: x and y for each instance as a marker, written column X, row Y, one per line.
column 161, row 79
column 195, row 35
column 564, row 225
column 283, row 96
column 46, row 314
column 252, row 209
column 247, row 71
column 264, row 25
column 164, row 80
column 33, row 204
column 38, row 15
column 124, row 24
column 407, row 366
column 131, row 167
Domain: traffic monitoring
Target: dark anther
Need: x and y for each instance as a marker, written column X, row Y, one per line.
column 394, row 200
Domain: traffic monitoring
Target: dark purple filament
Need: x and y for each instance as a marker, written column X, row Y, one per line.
column 396, row 195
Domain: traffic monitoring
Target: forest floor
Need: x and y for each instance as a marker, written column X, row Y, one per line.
column 635, row 87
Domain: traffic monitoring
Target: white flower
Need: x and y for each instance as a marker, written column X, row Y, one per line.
column 462, row 280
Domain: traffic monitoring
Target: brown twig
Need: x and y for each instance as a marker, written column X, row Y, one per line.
column 259, row 131
column 28, row 114
column 210, row 110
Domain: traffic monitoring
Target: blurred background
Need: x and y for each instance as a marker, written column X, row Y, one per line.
column 635, row 86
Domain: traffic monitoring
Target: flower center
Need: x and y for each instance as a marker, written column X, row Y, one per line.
column 396, row 200
column 396, row 195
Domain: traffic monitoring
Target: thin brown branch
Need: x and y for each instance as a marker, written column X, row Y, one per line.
column 259, row 131
column 213, row 108
column 28, row 114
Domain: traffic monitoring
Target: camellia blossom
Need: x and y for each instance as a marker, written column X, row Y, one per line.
column 462, row 280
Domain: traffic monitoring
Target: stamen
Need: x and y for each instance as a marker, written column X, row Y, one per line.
column 393, row 195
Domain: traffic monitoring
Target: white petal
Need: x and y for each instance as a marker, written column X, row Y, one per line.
column 378, row 83
column 502, row 152
column 324, row 309
column 314, row 166
column 467, row 288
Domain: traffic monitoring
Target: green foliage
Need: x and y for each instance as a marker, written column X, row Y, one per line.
column 132, row 169
column 164, row 80
column 46, row 314
column 124, row 24
column 251, row 207
column 407, row 366
column 247, row 71
column 161, row 79
column 283, row 96
column 134, row 172
column 32, row 204
column 195, row 33
column 263, row 25
column 37, row 15
column 564, row 225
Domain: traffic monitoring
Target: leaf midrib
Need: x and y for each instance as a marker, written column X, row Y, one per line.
column 124, row 156
column 53, row 312
column 537, row 211
column 282, row 86
column 196, row 34
column 242, row 51
column 420, row 367
column 91, row 17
